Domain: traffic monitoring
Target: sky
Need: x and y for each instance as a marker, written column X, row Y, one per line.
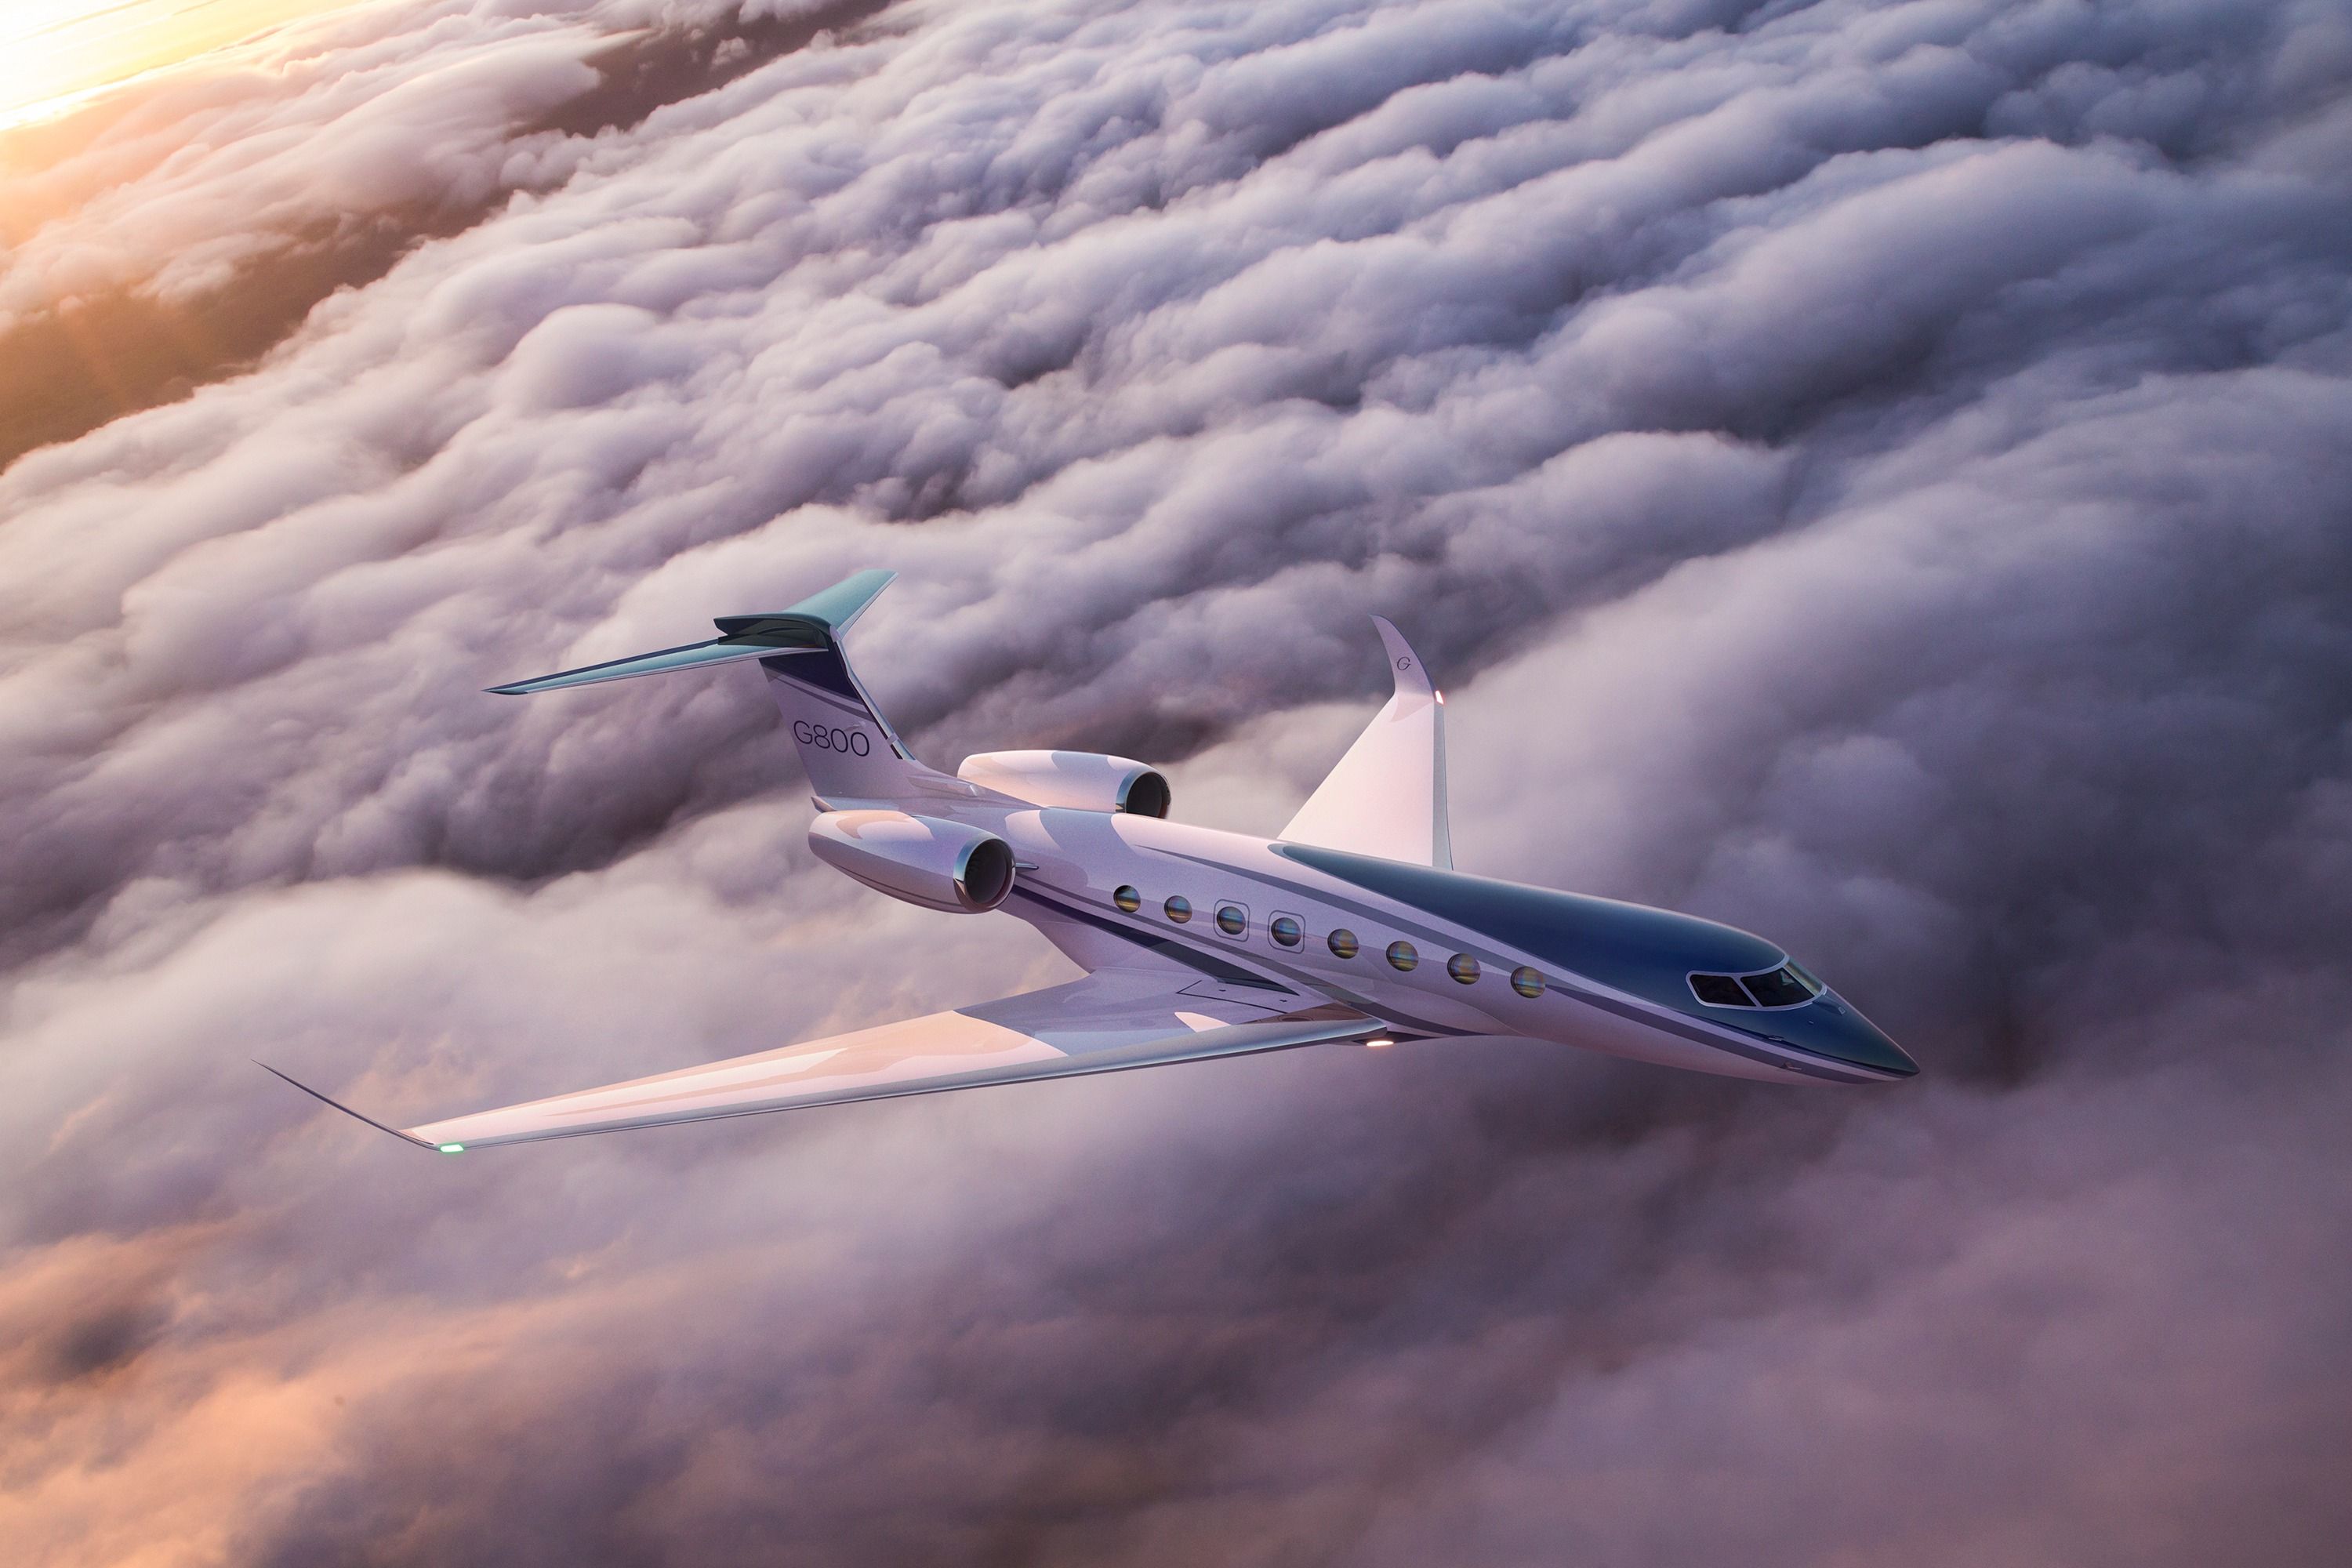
column 1876, row 475
column 55, row 54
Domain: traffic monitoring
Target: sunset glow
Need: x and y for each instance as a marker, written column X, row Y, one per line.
column 55, row 53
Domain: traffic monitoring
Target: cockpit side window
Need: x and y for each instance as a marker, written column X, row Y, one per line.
column 1719, row 991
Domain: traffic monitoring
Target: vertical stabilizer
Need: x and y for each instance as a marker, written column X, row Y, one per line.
column 1387, row 795
column 848, row 748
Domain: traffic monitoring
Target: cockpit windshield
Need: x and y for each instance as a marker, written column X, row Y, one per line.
column 1778, row 988
column 1786, row 986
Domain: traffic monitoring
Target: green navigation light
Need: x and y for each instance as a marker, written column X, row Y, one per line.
column 452, row 1148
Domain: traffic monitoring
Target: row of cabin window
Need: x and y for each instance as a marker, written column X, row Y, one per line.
column 1285, row 931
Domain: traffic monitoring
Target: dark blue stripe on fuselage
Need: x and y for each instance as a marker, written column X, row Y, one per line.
column 1633, row 947
column 1727, row 1037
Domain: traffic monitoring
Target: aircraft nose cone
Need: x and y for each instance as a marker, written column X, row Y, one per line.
column 1832, row 1027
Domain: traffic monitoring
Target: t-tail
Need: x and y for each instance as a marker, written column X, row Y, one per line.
column 849, row 750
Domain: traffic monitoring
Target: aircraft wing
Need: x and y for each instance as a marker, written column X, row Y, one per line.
column 1387, row 795
column 1111, row 1021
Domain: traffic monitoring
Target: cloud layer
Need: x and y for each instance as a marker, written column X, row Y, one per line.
column 1874, row 474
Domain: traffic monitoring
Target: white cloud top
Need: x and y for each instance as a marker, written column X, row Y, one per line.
column 1874, row 474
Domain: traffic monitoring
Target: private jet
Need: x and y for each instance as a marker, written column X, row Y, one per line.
column 1352, row 926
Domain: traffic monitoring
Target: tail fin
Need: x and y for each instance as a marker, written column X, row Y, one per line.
column 848, row 748
column 1387, row 795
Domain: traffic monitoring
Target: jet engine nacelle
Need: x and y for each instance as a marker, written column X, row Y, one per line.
column 939, row 865
column 1083, row 781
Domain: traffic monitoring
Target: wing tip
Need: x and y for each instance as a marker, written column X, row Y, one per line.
column 355, row 1115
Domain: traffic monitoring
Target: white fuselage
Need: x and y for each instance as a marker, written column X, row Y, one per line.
column 1074, row 863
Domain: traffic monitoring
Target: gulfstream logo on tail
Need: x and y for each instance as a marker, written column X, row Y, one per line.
column 1198, row 944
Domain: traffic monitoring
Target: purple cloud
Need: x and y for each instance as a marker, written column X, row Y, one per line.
column 1875, row 475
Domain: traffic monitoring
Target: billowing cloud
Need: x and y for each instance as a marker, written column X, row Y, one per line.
column 1874, row 474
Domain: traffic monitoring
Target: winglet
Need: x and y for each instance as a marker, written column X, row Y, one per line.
column 372, row 1122
column 1411, row 675
column 1387, row 795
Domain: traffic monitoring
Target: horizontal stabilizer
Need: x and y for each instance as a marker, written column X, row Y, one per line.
column 840, row 605
column 721, row 650
column 811, row 625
